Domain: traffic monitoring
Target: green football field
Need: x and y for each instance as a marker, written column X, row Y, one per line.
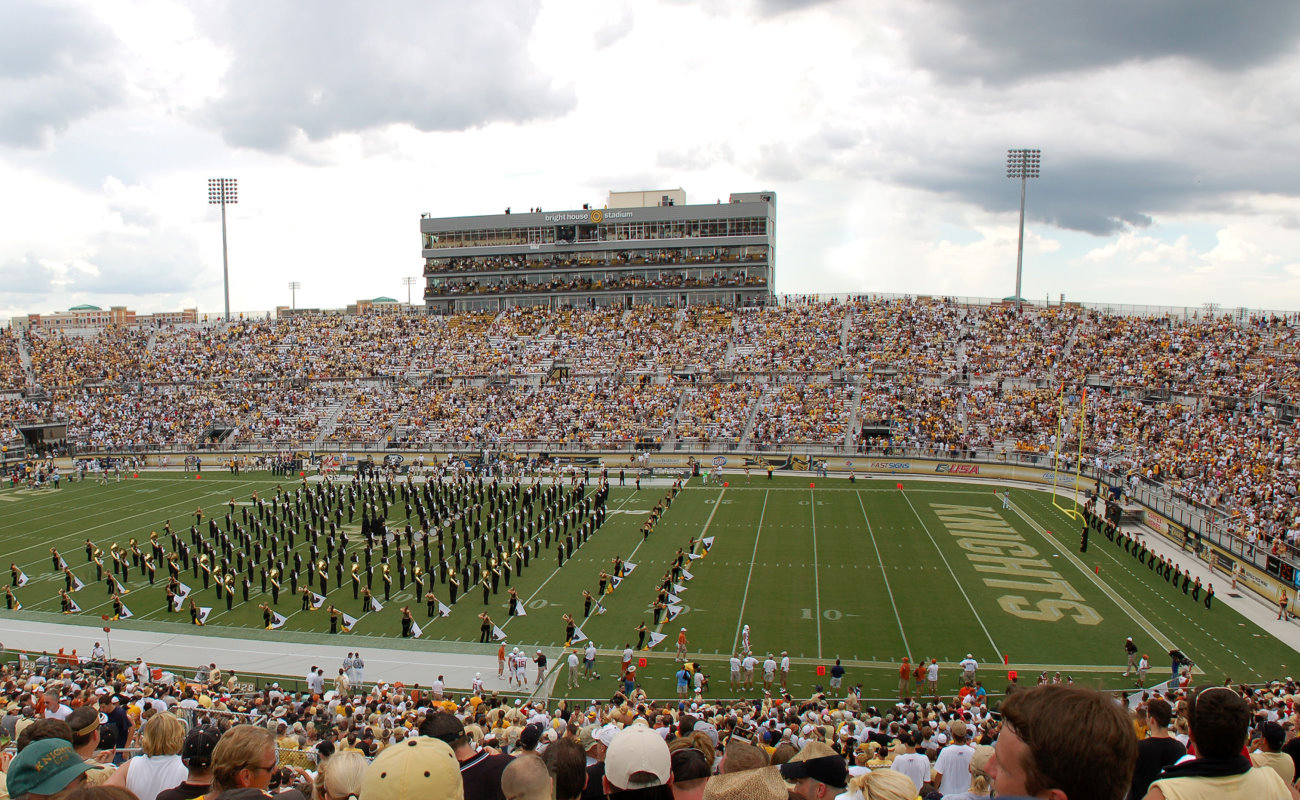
column 864, row 572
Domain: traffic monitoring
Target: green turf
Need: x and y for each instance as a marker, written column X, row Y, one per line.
column 864, row 572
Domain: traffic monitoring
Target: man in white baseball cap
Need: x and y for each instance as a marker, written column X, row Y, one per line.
column 637, row 758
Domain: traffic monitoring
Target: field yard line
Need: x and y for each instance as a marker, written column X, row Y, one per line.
column 881, row 561
column 557, row 570
column 817, row 581
column 1123, row 604
column 752, row 556
column 716, row 505
column 955, row 580
column 82, row 531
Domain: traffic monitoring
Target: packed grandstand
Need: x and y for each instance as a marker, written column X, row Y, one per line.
column 1200, row 403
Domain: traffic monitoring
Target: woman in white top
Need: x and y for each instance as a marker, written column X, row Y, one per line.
column 160, row 766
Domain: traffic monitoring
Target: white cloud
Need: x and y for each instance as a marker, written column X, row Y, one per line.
column 345, row 124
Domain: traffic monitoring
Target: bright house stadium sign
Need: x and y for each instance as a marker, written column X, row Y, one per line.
column 595, row 215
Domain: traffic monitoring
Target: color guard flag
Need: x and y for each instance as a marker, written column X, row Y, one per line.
column 655, row 638
column 678, row 588
column 203, row 614
column 707, row 541
column 614, row 582
column 277, row 620
column 498, row 634
column 375, row 605
column 628, row 566
column 348, row 623
column 694, row 556
column 673, row 611
column 672, row 598
column 77, row 585
column 72, row 606
column 443, row 610
column 22, row 579
column 416, row 632
column 317, row 600
column 126, row 613
column 182, row 592
column 579, row 636
column 687, row 575
column 520, row 611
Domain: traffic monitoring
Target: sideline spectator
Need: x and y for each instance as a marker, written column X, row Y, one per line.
column 1076, row 743
column 196, row 755
column 421, row 768
column 160, row 766
column 46, row 770
column 1219, row 719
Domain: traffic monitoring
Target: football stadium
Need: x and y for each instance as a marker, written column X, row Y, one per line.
column 764, row 490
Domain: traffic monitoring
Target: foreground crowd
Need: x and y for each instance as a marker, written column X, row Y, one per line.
column 71, row 730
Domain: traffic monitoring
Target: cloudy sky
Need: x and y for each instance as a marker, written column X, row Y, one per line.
column 1169, row 129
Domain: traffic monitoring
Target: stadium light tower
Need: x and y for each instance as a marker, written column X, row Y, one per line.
column 294, row 286
column 1022, row 164
column 223, row 192
column 408, row 282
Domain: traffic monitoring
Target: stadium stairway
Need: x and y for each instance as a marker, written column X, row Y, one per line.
column 25, row 358
column 753, row 416
column 333, row 412
column 851, row 429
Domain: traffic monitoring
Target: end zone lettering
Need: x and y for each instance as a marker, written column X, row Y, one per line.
column 959, row 469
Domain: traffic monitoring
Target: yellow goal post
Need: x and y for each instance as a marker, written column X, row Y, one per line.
column 1057, row 455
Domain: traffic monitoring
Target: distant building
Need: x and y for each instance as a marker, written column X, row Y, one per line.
column 88, row 316
column 646, row 247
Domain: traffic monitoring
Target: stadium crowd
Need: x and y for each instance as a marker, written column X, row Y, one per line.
column 1202, row 405
column 145, row 733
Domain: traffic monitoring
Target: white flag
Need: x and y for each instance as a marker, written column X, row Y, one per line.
column 687, row 575
column 628, row 566
column 22, row 579
column 678, row 588
column 443, row 610
column 348, row 623
column 600, row 609
column 317, row 600
column 655, row 638
column 277, row 620
column 72, row 606
column 673, row 611
column 498, row 634
column 77, row 585
column 615, row 582
column 578, row 636
column 375, row 605
column 203, row 614
column 416, row 632
column 694, row 556
column 182, row 591
column 520, row 611
column 126, row 613
column 672, row 598
column 707, row 541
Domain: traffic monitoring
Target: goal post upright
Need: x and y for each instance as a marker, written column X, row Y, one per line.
column 1073, row 511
